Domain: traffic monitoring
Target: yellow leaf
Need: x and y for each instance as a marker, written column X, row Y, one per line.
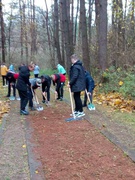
column 117, row 101
column 120, row 83
column 24, row 146
column 36, row 172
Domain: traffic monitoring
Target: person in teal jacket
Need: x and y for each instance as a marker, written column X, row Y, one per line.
column 61, row 69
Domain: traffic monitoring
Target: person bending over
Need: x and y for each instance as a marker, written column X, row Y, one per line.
column 59, row 80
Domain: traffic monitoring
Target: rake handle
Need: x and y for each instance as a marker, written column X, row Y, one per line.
column 87, row 95
column 71, row 100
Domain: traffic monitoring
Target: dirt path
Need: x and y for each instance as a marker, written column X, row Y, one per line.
column 13, row 151
column 45, row 146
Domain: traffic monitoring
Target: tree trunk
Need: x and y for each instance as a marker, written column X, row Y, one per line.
column 83, row 26
column 21, row 22
column 2, row 32
column 56, row 32
column 66, row 30
column 101, row 15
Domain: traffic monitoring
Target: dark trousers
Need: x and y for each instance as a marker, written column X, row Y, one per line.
column 9, row 88
column 86, row 98
column 62, row 89
column 47, row 90
column 23, row 99
column 78, row 101
column 36, row 75
column 30, row 97
column 58, row 89
column 4, row 80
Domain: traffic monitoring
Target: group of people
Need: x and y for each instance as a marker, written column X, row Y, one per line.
column 79, row 80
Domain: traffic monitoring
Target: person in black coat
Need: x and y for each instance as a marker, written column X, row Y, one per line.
column 22, row 86
column 90, row 85
column 77, row 83
column 46, row 84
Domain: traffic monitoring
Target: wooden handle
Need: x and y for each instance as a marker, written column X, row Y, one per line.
column 71, row 100
column 87, row 95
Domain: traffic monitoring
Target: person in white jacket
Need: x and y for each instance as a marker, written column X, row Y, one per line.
column 36, row 71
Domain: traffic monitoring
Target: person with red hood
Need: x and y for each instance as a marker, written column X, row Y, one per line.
column 59, row 80
column 11, row 78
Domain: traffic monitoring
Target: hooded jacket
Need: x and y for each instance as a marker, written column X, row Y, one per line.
column 4, row 70
column 23, row 79
column 12, row 77
column 47, row 83
column 77, row 77
column 59, row 78
column 90, row 85
column 61, row 69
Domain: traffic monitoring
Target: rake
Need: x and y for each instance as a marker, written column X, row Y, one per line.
column 38, row 107
column 72, row 108
column 89, row 104
column 46, row 101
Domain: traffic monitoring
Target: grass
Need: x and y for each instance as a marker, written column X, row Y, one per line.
column 118, row 116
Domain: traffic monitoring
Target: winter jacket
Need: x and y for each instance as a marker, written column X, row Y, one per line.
column 47, row 83
column 33, row 83
column 36, row 69
column 4, row 70
column 61, row 69
column 77, row 77
column 59, row 78
column 90, row 85
column 11, row 68
column 23, row 79
column 12, row 77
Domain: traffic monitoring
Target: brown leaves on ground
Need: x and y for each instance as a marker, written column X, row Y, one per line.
column 4, row 108
column 4, row 103
column 116, row 101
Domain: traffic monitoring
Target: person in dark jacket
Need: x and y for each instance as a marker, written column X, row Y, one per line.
column 77, row 84
column 22, row 86
column 59, row 80
column 35, row 83
column 90, row 85
column 11, row 78
column 46, row 84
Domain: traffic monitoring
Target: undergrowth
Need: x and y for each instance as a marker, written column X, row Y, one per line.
column 117, row 80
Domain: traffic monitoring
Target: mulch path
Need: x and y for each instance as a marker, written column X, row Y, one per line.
column 75, row 150
column 43, row 146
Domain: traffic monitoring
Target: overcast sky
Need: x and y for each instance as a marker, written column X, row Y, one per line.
column 40, row 3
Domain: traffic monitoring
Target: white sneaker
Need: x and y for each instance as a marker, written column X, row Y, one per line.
column 75, row 112
column 80, row 114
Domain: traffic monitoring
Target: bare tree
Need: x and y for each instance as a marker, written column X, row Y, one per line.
column 83, row 26
column 56, row 32
column 2, row 32
column 101, row 23
column 66, row 31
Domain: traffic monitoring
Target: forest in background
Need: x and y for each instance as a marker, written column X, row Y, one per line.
column 84, row 27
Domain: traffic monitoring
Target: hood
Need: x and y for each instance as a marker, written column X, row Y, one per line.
column 58, row 65
column 79, row 62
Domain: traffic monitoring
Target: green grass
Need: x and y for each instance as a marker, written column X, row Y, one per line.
column 45, row 72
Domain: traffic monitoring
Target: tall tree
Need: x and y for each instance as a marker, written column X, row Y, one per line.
column 21, row 22
column 2, row 32
column 56, row 32
column 66, row 30
column 83, row 26
column 101, row 23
